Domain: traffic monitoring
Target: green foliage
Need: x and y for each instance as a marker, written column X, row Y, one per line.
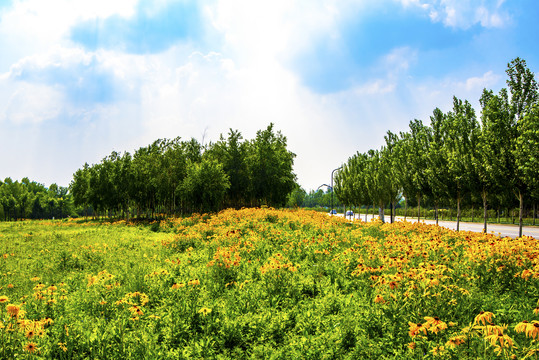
column 174, row 176
column 30, row 200
column 205, row 185
column 526, row 150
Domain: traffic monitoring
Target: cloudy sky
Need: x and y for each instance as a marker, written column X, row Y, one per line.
column 79, row 79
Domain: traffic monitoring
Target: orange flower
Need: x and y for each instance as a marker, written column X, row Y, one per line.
column 3, row 298
column 456, row 341
column 415, row 329
column 30, row 347
column 521, row 326
column 484, row 317
column 504, row 340
column 13, row 310
column 434, row 324
column 532, row 330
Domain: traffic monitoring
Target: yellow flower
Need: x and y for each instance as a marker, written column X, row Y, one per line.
column 135, row 310
column 13, row 310
column 456, row 341
column 3, row 298
column 484, row 317
column 504, row 340
column 536, row 310
column 416, row 329
column 30, row 347
column 438, row 351
column 204, row 311
column 532, row 330
column 30, row 334
column 521, row 326
column 434, row 324
column 379, row 299
column 62, row 346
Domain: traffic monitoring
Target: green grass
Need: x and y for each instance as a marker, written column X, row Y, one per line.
column 260, row 284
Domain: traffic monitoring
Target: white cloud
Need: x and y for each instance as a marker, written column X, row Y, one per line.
column 33, row 26
column 463, row 14
column 488, row 80
column 29, row 103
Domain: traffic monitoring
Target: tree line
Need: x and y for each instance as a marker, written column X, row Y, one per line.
column 30, row 200
column 460, row 159
column 171, row 176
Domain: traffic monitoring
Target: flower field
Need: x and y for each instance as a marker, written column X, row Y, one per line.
column 265, row 284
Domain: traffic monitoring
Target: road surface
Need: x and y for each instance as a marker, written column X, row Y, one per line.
column 497, row 229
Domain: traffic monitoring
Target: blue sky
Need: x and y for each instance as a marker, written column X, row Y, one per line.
column 80, row 79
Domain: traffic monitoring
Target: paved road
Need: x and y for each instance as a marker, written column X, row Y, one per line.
column 497, row 229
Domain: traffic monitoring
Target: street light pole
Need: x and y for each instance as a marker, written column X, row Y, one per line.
column 332, row 185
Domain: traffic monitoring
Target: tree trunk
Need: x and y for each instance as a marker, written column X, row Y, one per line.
column 366, row 212
column 458, row 213
column 405, row 207
column 484, row 196
column 381, row 212
column 534, row 213
column 418, row 208
column 521, row 210
column 472, row 212
column 436, row 212
column 373, row 205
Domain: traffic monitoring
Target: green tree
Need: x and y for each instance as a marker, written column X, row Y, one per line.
column 391, row 164
column 523, row 88
column 418, row 145
column 205, row 185
column 80, row 187
column 270, row 168
column 462, row 131
column 232, row 154
column 524, row 93
column 526, row 154
column 296, row 198
column 437, row 174
column 493, row 159
column 378, row 180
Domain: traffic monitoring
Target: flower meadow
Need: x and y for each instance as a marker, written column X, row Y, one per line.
column 265, row 284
